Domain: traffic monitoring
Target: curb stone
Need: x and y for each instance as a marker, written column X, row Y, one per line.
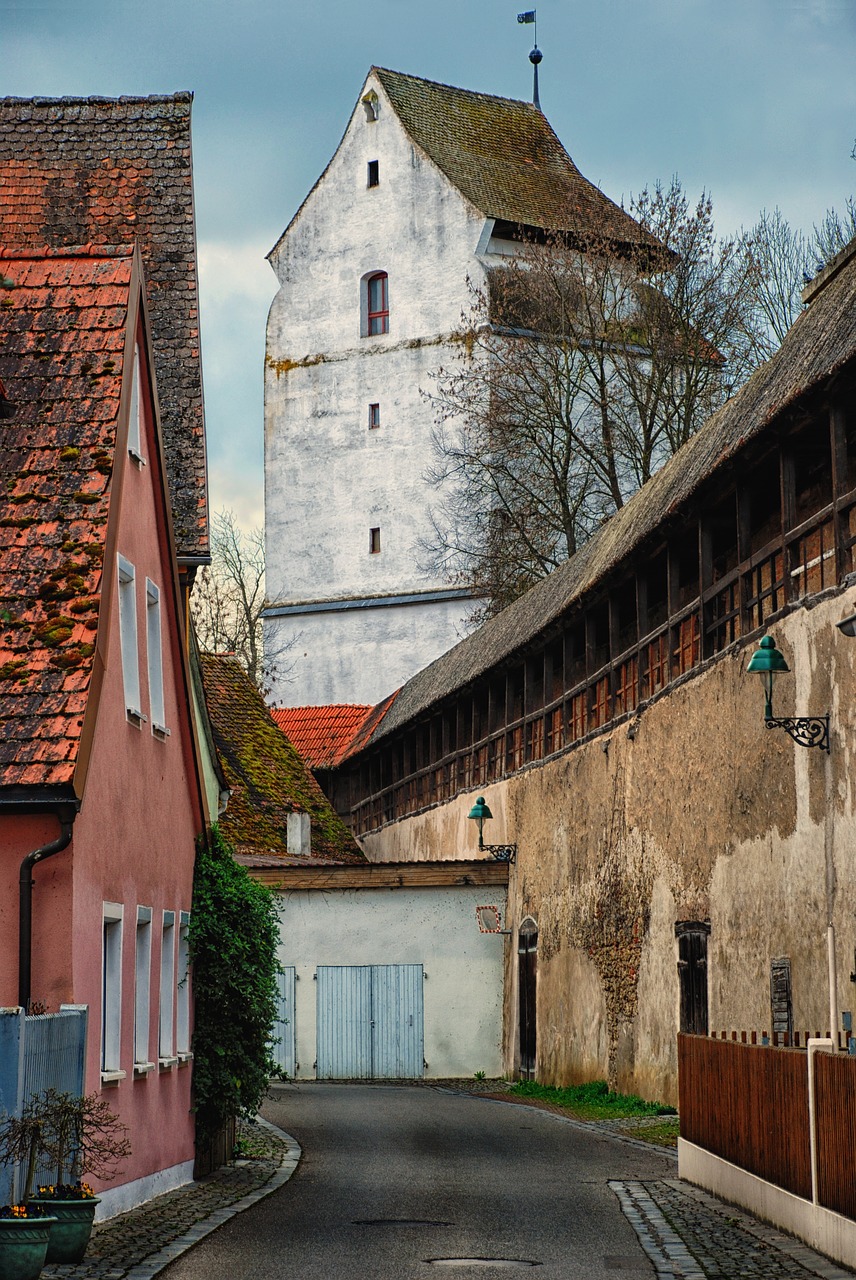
column 723, row 1240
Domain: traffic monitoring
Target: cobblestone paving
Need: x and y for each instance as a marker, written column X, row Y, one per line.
column 690, row 1234
column 140, row 1243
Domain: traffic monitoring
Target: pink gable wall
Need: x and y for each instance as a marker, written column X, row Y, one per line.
column 133, row 841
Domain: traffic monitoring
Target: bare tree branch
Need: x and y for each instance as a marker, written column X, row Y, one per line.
column 579, row 373
column 229, row 597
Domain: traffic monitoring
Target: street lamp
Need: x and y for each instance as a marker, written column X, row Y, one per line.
column 480, row 813
column 807, row 731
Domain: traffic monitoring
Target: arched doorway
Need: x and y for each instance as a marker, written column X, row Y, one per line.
column 527, row 979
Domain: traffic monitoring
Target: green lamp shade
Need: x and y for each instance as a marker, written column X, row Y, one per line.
column 480, row 810
column 767, row 659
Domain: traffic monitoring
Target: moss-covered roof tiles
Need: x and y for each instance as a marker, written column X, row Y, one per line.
column 63, row 321
column 503, row 156
column 107, row 171
column 266, row 776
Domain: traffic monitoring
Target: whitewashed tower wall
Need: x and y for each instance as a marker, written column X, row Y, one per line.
column 361, row 623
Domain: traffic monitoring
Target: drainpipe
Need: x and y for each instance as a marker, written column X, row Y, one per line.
column 66, row 817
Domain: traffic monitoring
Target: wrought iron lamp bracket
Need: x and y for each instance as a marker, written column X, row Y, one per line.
column 806, row 731
column 502, row 852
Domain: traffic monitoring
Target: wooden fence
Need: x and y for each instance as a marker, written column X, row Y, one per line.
column 216, row 1151
column 747, row 1102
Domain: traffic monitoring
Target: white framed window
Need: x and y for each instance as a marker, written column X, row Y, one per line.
column 154, row 655
column 182, row 991
column 135, row 448
column 111, row 992
column 142, row 990
column 128, row 638
column 166, row 1037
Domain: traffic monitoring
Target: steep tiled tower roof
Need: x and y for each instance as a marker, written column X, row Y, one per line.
column 503, row 156
column 62, row 336
column 267, row 778
column 103, row 171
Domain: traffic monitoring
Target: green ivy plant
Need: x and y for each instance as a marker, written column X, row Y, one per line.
column 233, row 938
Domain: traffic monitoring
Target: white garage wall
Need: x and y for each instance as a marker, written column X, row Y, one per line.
column 434, row 927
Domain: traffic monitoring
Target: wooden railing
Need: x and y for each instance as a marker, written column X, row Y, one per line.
column 746, row 1100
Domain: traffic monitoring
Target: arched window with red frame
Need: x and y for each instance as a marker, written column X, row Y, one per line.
column 377, row 299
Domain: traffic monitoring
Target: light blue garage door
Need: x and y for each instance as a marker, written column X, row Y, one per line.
column 370, row 1022
column 283, row 1050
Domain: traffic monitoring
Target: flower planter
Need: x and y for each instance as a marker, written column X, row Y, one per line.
column 23, row 1246
column 72, row 1228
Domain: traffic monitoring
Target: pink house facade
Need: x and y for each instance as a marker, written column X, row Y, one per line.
column 101, row 798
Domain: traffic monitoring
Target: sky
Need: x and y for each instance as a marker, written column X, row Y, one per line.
column 751, row 100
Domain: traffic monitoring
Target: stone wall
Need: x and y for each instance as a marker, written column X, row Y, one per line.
column 698, row 813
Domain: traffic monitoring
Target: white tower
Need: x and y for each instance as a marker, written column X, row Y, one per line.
column 428, row 188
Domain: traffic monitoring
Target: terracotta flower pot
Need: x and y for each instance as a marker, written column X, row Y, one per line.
column 23, row 1246
column 72, row 1229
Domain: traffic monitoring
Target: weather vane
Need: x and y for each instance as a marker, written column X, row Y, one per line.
column 536, row 55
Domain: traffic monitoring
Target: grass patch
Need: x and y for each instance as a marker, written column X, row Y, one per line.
column 663, row 1134
column 592, row 1101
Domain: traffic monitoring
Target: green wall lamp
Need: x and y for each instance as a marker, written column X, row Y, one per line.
column 480, row 813
column 807, row 731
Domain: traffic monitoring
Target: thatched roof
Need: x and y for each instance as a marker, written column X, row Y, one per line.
column 820, row 343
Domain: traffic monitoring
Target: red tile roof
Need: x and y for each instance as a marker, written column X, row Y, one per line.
column 106, row 171
column 62, row 336
column 321, row 735
column 266, row 776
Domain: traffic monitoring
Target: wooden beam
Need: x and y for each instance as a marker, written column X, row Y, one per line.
column 384, row 875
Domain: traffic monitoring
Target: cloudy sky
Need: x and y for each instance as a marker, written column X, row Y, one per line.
column 754, row 100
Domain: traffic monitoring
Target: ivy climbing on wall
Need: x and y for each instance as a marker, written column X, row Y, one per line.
column 233, row 938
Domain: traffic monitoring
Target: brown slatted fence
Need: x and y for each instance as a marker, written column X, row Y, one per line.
column 216, row 1151
column 747, row 1104
column 835, row 1102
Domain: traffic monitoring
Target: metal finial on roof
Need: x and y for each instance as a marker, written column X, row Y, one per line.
column 536, row 55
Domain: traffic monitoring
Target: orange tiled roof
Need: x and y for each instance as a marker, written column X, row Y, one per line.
column 107, row 171
column 266, row 776
column 321, row 735
column 62, row 336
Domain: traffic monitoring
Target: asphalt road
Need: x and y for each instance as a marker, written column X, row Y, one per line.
column 406, row 1183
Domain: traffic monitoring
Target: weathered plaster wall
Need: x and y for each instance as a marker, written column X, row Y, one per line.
column 704, row 814
column 361, row 654
column 433, row 927
column 329, row 479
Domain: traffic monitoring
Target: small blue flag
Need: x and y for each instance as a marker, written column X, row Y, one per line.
column 528, row 16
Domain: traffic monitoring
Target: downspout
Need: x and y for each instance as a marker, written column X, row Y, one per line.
column 66, row 817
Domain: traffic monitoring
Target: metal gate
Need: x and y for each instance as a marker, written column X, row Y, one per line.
column 283, row 1028
column 370, row 1022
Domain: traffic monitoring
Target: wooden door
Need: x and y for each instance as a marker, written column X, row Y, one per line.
column 527, row 981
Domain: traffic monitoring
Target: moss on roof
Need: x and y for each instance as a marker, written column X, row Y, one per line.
column 267, row 778
column 503, row 155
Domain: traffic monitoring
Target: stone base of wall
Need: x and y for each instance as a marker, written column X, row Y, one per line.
column 130, row 1194
column 825, row 1231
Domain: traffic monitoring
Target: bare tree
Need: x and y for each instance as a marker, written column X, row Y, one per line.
column 229, row 596
column 783, row 260
column 582, row 370
column 835, row 230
